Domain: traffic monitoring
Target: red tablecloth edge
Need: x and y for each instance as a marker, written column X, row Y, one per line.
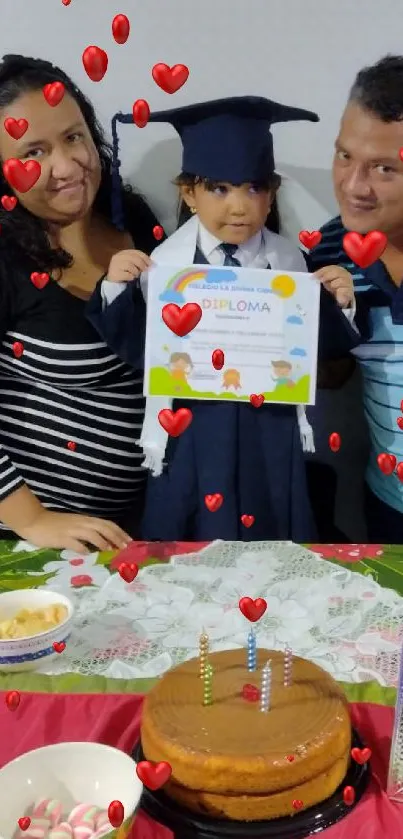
column 114, row 719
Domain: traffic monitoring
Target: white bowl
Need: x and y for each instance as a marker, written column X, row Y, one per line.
column 72, row 773
column 28, row 653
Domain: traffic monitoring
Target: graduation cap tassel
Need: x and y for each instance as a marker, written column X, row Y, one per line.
column 117, row 186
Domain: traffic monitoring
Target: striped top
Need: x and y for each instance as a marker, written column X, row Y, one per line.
column 70, row 410
column 380, row 356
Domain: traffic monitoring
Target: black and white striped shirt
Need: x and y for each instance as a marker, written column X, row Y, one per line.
column 70, row 410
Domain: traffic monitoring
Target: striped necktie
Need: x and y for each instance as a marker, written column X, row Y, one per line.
column 229, row 251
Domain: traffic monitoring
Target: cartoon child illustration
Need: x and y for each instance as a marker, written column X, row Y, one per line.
column 282, row 373
column 180, row 366
column 231, row 378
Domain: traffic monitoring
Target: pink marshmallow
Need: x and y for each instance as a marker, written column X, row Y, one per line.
column 102, row 820
column 83, row 814
column 38, row 829
column 63, row 830
column 83, row 831
column 40, row 808
column 48, row 808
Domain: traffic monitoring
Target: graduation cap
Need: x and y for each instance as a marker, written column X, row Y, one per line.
column 223, row 140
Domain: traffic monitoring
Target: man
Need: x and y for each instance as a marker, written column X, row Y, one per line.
column 368, row 182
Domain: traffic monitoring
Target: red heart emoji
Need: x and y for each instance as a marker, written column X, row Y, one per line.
column 247, row 521
column 181, row 320
column 95, row 63
column 251, row 693
column 120, row 28
column 8, row 202
column 217, row 359
column 334, row 441
column 361, row 756
column 59, row 646
column 349, row 796
column 66, row 2
column 71, row 446
column 141, row 114
column 39, row 280
column 175, row 422
column 153, row 775
column 297, row 804
column 24, row 822
column 53, row 93
column 386, row 463
column 116, row 813
column 18, row 349
column 310, row 240
column 21, row 176
column 128, row 571
column 13, row 700
column 170, row 79
column 16, row 128
column 158, row 232
column 256, row 399
column 290, row 758
column 399, row 471
column 213, row 502
column 365, row 250
column 252, row 609
column 400, row 422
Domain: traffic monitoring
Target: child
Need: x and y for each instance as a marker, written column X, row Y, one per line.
column 252, row 456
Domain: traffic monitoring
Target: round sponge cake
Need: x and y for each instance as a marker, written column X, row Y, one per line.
column 231, row 760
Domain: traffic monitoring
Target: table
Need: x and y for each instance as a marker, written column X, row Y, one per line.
column 362, row 571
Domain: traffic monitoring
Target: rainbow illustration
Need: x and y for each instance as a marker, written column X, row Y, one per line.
column 179, row 281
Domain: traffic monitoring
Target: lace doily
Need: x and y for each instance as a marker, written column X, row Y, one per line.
column 342, row 620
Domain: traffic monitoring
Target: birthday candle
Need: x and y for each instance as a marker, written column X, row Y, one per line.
column 287, row 667
column 265, row 690
column 203, row 652
column 251, row 651
column 208, row 685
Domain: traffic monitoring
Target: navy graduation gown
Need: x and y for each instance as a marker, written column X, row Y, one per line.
column 252, row 456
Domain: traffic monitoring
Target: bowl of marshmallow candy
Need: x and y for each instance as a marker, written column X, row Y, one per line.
column 66, row 791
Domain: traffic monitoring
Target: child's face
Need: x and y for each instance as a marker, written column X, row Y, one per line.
column 231, row 213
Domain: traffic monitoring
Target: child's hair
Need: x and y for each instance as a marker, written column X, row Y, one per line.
column 272, row 181
column 181, row 356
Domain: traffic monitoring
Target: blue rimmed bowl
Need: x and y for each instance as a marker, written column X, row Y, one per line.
column 32, row 651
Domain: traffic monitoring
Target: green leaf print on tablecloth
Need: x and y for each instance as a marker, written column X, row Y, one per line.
column 16, row 567
column 386, row 569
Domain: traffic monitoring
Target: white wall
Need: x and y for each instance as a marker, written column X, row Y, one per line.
column 302, row 52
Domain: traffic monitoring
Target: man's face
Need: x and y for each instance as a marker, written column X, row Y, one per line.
column 368, row 173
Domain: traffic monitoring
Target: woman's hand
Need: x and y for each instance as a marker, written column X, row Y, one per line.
column 127, row 265
column 73, row 532
column 339, row 283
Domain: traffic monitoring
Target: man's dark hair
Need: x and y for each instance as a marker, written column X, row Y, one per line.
column 379, row 88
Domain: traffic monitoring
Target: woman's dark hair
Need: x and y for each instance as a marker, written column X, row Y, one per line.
column 273, row 181
column 379, row 88
column 22, row 233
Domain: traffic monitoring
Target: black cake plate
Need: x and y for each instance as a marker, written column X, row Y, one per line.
column 187, row 825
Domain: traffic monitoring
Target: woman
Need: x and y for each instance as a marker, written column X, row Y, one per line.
column 70, row 411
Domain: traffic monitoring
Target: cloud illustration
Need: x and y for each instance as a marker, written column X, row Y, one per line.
column 295, row 319
column 171, row 296
column 217, row 275
column 298, row 351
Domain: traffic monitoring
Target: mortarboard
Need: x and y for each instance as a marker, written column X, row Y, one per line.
column 223, row 140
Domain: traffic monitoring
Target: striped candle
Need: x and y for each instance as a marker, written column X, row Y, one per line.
column 287, row 667
column 208, row 685
column 251, row 651
column 203, row 653
column 265, row 689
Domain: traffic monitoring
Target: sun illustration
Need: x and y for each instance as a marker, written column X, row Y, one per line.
column 283, row 285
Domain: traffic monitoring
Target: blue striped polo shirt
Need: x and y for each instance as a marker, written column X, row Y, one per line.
column 380, row 355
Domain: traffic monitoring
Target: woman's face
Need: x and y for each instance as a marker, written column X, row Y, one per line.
column 59, row 139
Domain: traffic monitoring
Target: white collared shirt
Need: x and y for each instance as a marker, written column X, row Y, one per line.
column 251, row 254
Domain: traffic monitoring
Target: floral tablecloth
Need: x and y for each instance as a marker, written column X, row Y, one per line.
column 346, row 614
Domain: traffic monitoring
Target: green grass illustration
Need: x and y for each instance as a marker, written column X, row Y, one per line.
column 161, row 383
